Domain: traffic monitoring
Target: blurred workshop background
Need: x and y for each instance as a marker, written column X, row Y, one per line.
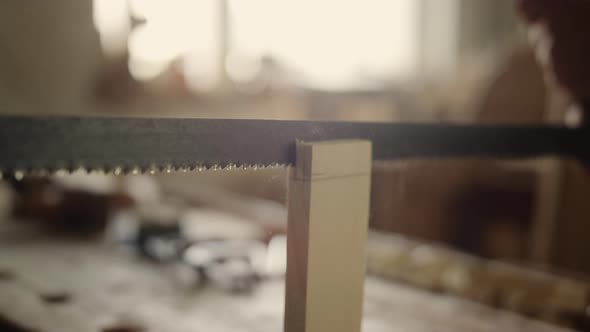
column 456, row 245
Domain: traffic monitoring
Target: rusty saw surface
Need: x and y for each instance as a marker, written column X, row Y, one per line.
column 29, row 144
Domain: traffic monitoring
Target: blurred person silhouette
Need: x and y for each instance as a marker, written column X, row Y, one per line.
column 560, row 33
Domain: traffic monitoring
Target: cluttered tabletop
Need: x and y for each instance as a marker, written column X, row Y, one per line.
column 49, row 284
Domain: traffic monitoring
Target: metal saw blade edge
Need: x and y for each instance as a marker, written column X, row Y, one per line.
column 30, row 145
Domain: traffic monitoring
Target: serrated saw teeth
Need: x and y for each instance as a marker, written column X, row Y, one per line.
column 20, row 174
column 120, row 144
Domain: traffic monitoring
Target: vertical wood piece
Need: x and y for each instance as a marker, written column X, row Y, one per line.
column 327, row 233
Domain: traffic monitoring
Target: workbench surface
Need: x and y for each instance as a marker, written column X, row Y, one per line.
column 65, row 285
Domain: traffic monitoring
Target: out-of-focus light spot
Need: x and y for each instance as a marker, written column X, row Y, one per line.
column 150, row 52
column 111, row 19
column 242, row 69
column 175, row 29
column 257, row 255
column 198, row 256
column 144, row 70
column 574, row 116
column 542, row 42
column 201, row 72
column 93, row 183
column 19, row 175
column 276, row 258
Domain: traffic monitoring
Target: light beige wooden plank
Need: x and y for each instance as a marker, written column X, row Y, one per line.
column 327, row 234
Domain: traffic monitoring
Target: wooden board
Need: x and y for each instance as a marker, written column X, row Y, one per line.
column 327, row 233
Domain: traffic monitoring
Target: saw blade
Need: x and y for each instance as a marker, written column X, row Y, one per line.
column 142, row 145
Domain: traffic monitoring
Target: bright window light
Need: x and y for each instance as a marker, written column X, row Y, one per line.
column 111, row 19
column 332, row 43
column 329, row 44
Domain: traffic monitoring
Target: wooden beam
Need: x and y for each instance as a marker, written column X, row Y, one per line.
column 326, row 238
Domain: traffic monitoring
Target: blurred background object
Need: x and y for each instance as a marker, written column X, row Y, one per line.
column 382, row 60
column 507, row 234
